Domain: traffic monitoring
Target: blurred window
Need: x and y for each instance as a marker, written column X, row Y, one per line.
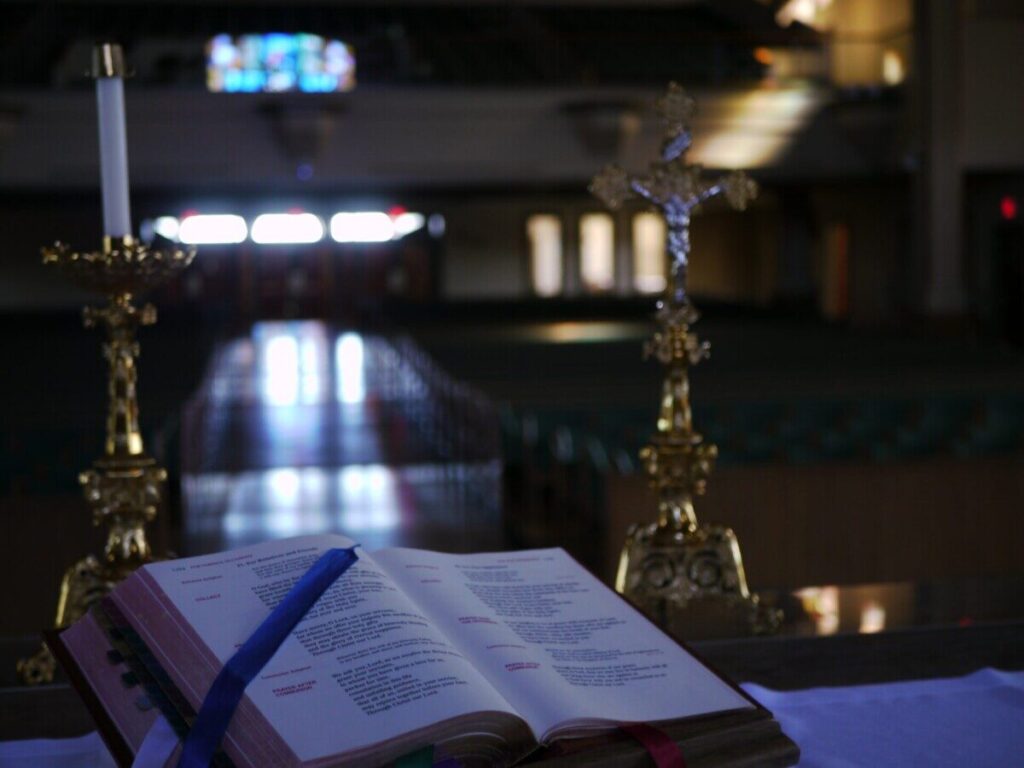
column 597, row 252
column 649, row 253
column 893, row 71
column 275, row 62
column 544, row 232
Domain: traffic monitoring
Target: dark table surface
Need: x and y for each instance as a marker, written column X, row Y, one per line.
column 781, row 662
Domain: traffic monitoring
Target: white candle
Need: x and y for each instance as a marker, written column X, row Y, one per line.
column 113, row 156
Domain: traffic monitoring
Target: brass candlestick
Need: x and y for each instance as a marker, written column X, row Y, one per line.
column 686, row 574
column 124, row 486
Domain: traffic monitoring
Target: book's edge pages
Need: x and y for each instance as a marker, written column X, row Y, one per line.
column 746, row 739
column 151, row 676
column 250, row 737
column 459, row 738
column 112, row 735
column 575, row 730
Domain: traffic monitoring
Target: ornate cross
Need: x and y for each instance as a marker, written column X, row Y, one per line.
column 677, row 460
column 674, row 186
column 668, row 563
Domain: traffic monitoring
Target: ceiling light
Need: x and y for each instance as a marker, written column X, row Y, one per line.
column 407, row 223
column 211, row 229
column 290, row 228
column 362, row 227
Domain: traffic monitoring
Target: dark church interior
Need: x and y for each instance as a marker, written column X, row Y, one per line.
column 410, row 321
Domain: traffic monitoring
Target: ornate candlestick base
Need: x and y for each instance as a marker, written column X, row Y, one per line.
column 688, row 576
column 124, row 487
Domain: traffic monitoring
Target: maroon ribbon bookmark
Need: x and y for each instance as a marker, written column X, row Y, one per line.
column 659, row 745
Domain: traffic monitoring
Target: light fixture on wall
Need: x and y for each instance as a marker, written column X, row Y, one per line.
column 211, row 229
column 544, row 234
column 893, row 70
column 597, row 252
column 287, row 228
column 649, row 238
column 408, row 222
column 362, row 227
column 292, row 228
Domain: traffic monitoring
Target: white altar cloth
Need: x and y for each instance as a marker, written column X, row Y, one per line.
column 84, row 752
column 976, row 720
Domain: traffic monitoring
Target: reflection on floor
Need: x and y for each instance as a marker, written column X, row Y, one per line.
column 298, row 429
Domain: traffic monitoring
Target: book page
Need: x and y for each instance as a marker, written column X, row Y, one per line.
column 561, row 647
column 363, row 666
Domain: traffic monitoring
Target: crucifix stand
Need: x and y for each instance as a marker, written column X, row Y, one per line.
column 687, row 575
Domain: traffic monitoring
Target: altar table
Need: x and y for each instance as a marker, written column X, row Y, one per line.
column 975, row 720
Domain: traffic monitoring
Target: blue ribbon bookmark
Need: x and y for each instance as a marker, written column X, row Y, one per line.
column 206, row 733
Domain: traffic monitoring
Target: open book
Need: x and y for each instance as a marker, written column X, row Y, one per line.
column 485, row 656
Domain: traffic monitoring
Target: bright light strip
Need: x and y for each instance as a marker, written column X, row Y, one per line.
column 212, row 229
column 807, row 12
column 872, row 617
column 362, row 227
column 544, row 232
column 281, row 370
column 753, row 129
column 311, row 348
column 368, row 498
column 350, row 365
column 407, row 223
column 290, row 228
column 167, row 227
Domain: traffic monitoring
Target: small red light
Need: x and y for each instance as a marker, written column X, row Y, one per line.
column 295, row 209
column 189, row 212
column 1008, row 208
column 395, row 211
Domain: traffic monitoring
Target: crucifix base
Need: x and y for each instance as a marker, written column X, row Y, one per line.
column 691, row 582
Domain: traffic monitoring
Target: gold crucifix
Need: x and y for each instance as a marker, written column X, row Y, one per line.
column 677, row 568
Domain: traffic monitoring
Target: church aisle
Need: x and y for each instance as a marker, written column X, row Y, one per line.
column 301, row 429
